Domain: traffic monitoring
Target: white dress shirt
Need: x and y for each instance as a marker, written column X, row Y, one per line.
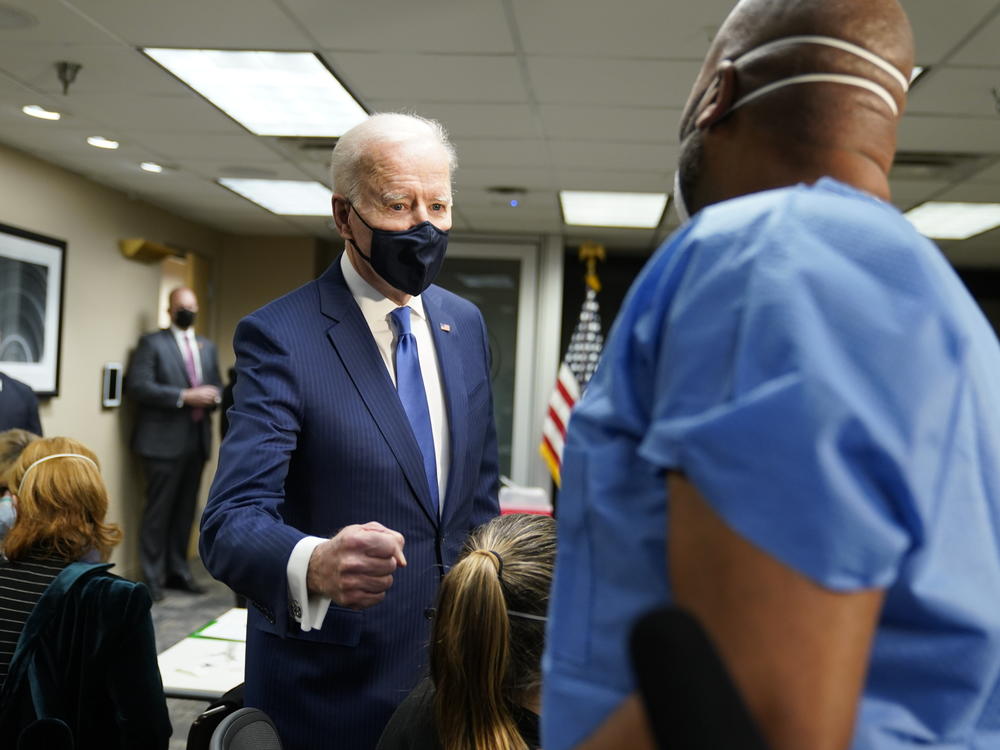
column 310, row 609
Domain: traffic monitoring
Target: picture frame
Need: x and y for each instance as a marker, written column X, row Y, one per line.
column 32, row 276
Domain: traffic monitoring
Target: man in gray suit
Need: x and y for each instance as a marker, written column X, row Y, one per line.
column 174, row 377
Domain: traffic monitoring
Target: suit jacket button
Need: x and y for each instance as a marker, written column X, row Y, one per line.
column 429, row 613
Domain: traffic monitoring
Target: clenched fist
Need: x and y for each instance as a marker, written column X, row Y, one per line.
column 355, row 567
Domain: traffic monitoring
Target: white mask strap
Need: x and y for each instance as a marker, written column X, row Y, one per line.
column 49, row 458
column 849, row 80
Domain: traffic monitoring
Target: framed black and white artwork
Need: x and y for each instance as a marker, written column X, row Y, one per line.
column 31, row 294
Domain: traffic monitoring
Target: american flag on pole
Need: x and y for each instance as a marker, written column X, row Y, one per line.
column 574, row 373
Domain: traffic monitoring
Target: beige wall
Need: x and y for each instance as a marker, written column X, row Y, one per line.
column 108, row 301
column 249, row 273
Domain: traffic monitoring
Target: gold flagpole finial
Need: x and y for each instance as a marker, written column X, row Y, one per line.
column 590, row 253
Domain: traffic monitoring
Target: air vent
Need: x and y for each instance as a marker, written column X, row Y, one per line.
column 934, row 165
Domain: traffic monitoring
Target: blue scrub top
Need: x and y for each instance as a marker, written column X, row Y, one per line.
column 818, row 371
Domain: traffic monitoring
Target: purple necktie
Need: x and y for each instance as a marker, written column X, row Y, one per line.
column 197, row 412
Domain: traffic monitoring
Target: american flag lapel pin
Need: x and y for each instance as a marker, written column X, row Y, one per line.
column 446, row 327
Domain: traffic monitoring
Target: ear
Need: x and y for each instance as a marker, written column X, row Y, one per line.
column 718, row 98
column 341, row 210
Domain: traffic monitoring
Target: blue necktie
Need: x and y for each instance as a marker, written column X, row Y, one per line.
column 410, row 387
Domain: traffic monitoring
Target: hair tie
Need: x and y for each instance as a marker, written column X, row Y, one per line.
column 499, row 564
column 42, row 460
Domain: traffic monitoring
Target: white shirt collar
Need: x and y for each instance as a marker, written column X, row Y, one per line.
column 187, row 333
column 374, row 306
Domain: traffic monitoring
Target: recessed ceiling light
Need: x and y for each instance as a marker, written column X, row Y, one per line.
column 588, row 208
column 943, row 220
column 151, row 166
column 99, row 141
column 40, row 112
column 269, row 93
column 285, row 197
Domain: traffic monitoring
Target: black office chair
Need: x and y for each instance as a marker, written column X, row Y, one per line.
column 691, row 700
column 246, row 729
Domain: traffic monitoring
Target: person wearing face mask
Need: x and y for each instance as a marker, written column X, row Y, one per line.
column 12, row 444
column 793, row 430
column 174, row 379
column 362, row 422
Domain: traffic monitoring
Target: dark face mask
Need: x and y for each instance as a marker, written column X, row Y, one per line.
column 408, row 260
column 184, row 318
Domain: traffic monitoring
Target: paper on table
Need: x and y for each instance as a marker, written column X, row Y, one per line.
column 229, row 626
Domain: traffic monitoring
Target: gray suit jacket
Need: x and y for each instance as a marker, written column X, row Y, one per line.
column 155, row 379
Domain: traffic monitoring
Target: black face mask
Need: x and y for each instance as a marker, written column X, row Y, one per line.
column 184, row 318
column 408, row 260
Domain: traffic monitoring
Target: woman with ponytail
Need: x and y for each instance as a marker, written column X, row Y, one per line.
column 486, row 645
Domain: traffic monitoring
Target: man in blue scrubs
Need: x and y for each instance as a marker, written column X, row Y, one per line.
column 794, row 431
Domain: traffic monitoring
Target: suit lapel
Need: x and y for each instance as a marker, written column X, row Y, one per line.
column 456, row 399
column 352, row 338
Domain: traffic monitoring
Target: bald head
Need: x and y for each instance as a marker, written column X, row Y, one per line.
column 838, row 119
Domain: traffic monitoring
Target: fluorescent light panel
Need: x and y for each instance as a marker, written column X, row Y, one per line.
column 285, row 197
column 588, row 208
column 268, row 93
column 954, row 221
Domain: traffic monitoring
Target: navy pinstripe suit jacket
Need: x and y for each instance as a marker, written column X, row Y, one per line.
column 318, row 440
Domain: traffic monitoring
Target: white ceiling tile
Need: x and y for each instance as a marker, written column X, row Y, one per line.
column 936, row 31
column 183, row 111
column 57, row 138
column 641, row 28
column 597, row 155
column 622, row 124
column 982, row 49
column 957, row 91
column 908, row 193
column 628, row 182
column 990, row 174
column 529, row 203
column 57, row 24
column 948, row 134
column 532, row 178
column 471, row 120
column 228, row 24
column 107, row 69
column 214, row 168
column 462, row 26
column 495, row 221
column 611, row 238
column 608, row 83
column 502, row 153
column 185, row 145
column 415, row 79
column 972, row 193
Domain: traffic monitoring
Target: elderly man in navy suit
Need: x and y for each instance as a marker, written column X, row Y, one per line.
column 174, row 377
column 362, row 422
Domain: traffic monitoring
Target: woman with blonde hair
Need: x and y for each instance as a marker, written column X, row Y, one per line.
column 77, row 653
column 486, row 645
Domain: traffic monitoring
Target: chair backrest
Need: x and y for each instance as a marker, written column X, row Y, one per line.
column 246, row 729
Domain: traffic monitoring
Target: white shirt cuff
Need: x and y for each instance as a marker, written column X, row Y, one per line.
column 308, row 609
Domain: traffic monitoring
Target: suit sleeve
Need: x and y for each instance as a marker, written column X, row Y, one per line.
column 141, row 381
column 31, row 419
column 244, row 541
column 485, row 503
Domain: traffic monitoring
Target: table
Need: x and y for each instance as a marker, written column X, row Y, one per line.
column 207, row 663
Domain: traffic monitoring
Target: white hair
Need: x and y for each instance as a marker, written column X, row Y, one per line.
column 347, row 164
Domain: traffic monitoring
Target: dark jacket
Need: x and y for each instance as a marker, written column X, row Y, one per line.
column 156, row 377
column 85, row 668
column 18, row 406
